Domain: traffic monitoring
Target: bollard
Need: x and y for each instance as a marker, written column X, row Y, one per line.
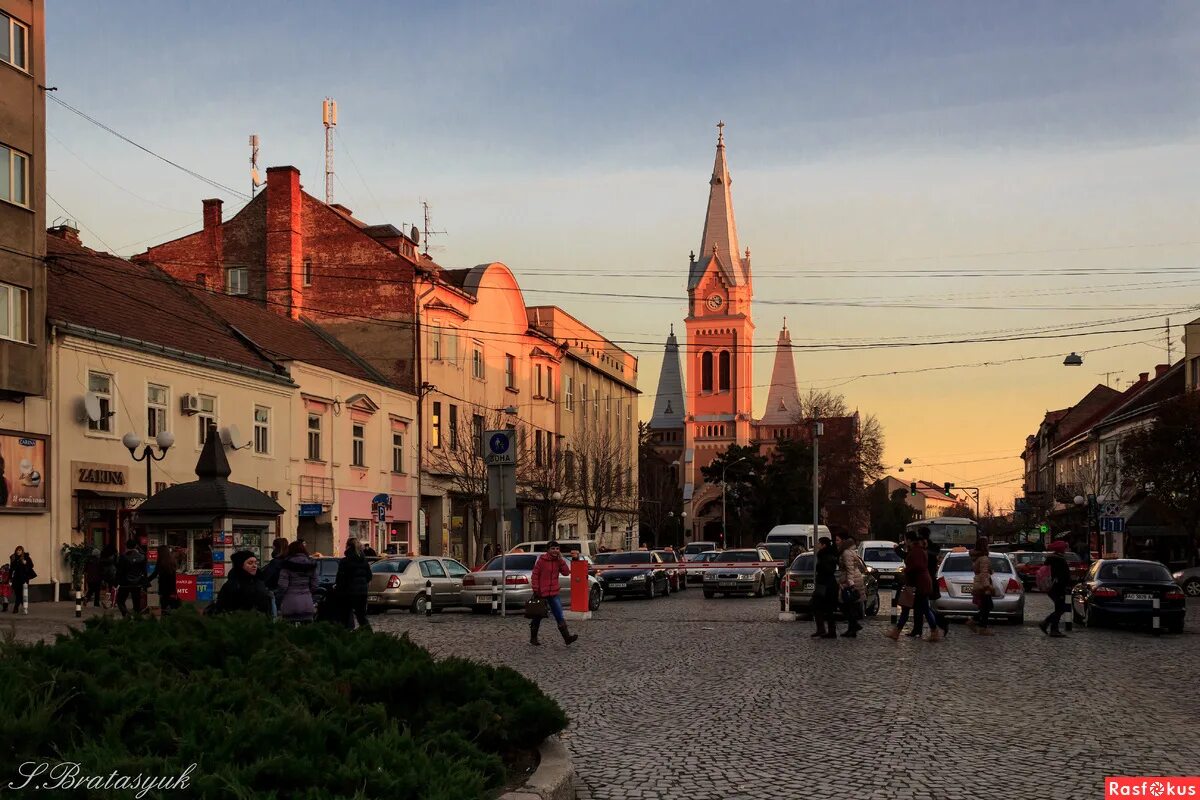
column 895, row 607
column 1155, row 623
column 429, row 598
column 787, row 615
column 78, row 604
column 25, row 598
column 495, row 598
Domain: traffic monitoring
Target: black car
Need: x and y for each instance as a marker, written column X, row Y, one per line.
column 637, row 573
column 675, row 570
column 326, row 577
column 1124, row 590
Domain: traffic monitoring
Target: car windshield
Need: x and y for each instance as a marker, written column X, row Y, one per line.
column 803, row 563
column 329, row 566
column 711, row 555
column 624, row 558
column 667, row 555
column 1130, row 571
column 882, row 554
column 740, row 556
column 516, row 562
column 964, row 563
column 1029, row 558
column 1072, row 558
column 391, row 565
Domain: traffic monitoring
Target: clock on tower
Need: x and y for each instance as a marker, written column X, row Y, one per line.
column 715, row 302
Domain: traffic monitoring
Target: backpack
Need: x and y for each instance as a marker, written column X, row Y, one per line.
column 1045, row 578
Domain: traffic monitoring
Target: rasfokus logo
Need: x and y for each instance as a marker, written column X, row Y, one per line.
column 1151, row 786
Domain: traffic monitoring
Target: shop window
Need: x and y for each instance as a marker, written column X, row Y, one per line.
column 207, row 416
column 314, row 437
column 100, row 385
column 358, row 445
column 262, row 430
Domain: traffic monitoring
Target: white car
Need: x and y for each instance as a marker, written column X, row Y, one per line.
column 696, row 564
column 956, row 574
column 881, row 556
column 585, row 547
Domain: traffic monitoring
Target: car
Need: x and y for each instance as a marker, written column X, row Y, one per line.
column 798, row 534
column 413, row 582
column 694, row 564
column 1028, row 563
column 585, row 547
column 748, row 571
column 955, row 577
column 881, row 556
column 801, row 577
column 1189, row 580
column 633, row 573
column 675, row 569
column 1118, row 590
column 699, row 547
column 781, row 553
column 480, row 588
column 327, row 568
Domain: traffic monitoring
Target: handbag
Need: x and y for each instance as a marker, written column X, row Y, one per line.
column 907, row 598
column 535, row 608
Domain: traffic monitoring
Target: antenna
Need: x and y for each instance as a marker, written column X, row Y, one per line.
column 329, row 118
column 1107, row 376
column 429, row 231
column 255, row 179
column 1168, row 341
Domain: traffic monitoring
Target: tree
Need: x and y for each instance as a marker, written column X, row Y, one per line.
column 604, row 483
column 544, row 479
column 660, row 499
column 890, row 515
column 1164, row 458
column 744, row 470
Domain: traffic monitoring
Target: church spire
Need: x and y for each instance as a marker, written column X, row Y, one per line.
column 719, row 240
column 669, row 405
column 783, row 398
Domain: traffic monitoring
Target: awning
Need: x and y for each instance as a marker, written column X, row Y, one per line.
column 198, row 520
column 106, row 493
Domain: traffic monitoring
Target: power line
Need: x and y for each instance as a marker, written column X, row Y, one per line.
column 50, row 197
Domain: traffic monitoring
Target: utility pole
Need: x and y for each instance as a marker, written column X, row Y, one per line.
column 329, row 118
column 818, row 430
column 1168, row 341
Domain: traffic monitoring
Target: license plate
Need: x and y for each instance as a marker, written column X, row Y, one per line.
column 617, row 585
column 1136, row 596
column 729, row 584
column 483, row 600
column 808, row 585
column 965, row 588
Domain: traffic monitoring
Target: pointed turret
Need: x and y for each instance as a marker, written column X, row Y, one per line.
column 719, row 240
column 669, row 406
column 783, row 398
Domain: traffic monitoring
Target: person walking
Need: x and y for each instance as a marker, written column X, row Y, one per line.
column 353, row 581
column 936, row 618
column 825, row 590
column 21, row 572
column 270, row 573
column 5, row 587
column 546, row 571
column 244, row 589
column 297, row 582
column 853, row 589
column 93, row 578
column 982, row 590
column 165, row 573
column 108, row 569
column 916, row 576
column 131, row 578
column 1060, row 576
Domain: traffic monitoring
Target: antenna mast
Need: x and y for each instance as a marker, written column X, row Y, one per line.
column 1168, row 341
column 255, row 181
column 428, row 230
column 329, row 118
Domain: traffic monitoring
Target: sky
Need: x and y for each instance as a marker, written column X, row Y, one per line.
column 909, row 177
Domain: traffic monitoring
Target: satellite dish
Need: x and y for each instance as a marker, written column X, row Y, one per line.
column 91, row 406
column 416, row 235
column 232, row 437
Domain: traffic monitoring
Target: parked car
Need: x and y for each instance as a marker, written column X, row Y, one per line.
column 1189, row 580
column 327, row 568
column 1028, row 563
column 675, row 569
column 479, row 587
column 699, row 547
column 1124, row 590
column 585, row 547
column 956, row 574
column 798, row 534
column 881, row 556
column 801, row 577
column 636, row 572
column 695, row 562
column 413, row 582
column 780, row 552
column 758, row 577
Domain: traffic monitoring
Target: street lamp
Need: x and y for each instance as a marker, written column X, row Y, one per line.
column 1092, row 515
column 724, row 533
column 132, row 442
column 818, row 431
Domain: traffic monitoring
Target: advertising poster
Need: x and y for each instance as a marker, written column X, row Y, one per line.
column 23, row 477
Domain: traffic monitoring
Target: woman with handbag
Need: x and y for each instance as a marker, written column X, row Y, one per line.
column 853, row 587
column 918, row 588
column 546, row 571
column 825, row 590
column 982, row 589
column 21, row 572
column 165, row 571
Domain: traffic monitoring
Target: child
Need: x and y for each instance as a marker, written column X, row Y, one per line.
column 5, row 586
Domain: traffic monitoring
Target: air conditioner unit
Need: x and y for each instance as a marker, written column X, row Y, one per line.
column 189, row 404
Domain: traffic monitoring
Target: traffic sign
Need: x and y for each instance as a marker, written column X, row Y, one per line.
column 502, row 486
column 381, row 513
column 499, row 447
column 1112, row 524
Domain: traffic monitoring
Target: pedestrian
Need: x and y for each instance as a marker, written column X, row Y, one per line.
column 21, row 572
column 131, row 578
column 93, row 578
column 5, row 587
column 270, row 573
column 353, row 581
column 244, row 589
column 546, row 571
column 165, row 573
column 825, row 590
column 940, row 620
column 108, row 567
column 369, row 552
column 917, row 577
column 1060, row 576
column 982, row 590
column 297, row 582
column 853, row 589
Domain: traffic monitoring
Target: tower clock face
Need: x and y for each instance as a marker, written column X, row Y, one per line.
column 715, row 302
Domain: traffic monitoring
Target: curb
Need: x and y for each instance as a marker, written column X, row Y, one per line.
column 554, row 779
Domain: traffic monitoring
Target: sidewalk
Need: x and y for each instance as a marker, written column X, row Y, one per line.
column 45, row 620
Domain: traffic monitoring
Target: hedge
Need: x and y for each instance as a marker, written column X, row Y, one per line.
column 266, row 710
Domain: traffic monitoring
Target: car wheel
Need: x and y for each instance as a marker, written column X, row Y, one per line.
column 420, row 604
column 650, row 590
column 1091, row 617
column 594, row 598
column 1192, row 587
column 709, row 595
column 759, row 590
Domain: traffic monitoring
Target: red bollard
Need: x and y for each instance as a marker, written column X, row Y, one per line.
column 579, row 586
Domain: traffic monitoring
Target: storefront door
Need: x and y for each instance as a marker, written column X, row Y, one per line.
column 99, row 534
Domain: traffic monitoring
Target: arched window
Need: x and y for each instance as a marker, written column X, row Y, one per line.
column 706, row 372
column 724, row 370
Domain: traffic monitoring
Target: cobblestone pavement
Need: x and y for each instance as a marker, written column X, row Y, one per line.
column 683, row 697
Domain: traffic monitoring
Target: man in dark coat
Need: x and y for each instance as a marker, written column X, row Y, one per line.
column 931, row 553
column 353, row 581
column 131, row 578
column 1060, row 575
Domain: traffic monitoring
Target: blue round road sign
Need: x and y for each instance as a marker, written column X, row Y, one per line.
column 498, row 444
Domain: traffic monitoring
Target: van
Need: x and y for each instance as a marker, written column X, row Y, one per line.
column 797, row 534
column 585, row 547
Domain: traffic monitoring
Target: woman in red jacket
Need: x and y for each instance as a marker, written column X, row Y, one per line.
column 546, row 570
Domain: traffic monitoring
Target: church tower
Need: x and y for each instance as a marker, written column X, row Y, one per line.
column 720, row 330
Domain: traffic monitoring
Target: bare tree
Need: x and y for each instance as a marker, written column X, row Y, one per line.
column 604, row 480
column 851, row 454
column 544, row 479
column 659, row 497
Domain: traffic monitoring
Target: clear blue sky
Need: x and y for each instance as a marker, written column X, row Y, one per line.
column 574, row 137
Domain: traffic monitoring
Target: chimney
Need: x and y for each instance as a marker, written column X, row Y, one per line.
column 214, row 234
column 1159, row 369
column 1143, row 377
column 67, row 233
column 285, row 242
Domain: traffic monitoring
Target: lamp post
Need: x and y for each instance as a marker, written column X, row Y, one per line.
column 1093, row 503
column 725, row 533
column 818, row 431
column 164, row 440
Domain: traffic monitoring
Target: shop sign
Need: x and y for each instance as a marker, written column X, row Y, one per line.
column 218, row 570
column 310, row 509
column 108, row 477
column 204, row 588
column 23, row 475
column 185, row 587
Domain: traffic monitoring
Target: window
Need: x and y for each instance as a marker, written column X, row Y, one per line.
column 537, row 448
column 157, row 398
column 724, row 362
column 432, row 569
column 455, row 569
column 596, row 402
column 235, row 280
column 450, row 345
column 397, row 452
column 207, row 416
column 358, row 445
column 477, row 434
column 262, row 430
column 435, row 426
column 14, row 176
column 706, row 372
column 314, row 437
column 477, row 362
column 453, row 427
column 307, row 273
column 100, row 385
column 569, row 393
column 14, row 313
column 537, row 380
column 549, row 383
column 435, row 343
column 510, row 368
column 14, row 42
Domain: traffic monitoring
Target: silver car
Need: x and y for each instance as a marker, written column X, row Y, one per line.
column 802, row 576
column 882, row 557
column 480, row 588
column 696, row 564
column 1188, row 580
column 414, row 582
column 956, row 574
column 758, row 577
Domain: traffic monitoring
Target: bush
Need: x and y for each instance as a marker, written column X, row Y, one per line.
column 267, row 710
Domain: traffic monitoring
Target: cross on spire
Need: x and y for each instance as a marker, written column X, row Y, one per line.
column 720, row 133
